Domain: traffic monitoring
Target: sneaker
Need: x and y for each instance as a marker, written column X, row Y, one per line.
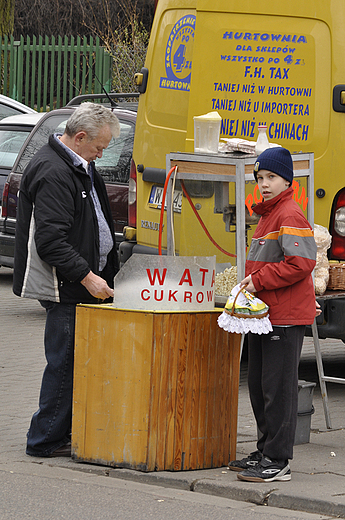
column 267, row 471
column 248, row 462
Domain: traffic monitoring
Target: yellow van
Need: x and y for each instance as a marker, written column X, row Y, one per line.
column 269, row 62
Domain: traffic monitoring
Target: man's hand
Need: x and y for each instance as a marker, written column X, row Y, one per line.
column 97, row 286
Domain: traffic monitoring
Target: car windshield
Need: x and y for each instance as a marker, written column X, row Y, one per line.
column 114, row 165
column 11, row 142
column 6, row 111
column 40, row 137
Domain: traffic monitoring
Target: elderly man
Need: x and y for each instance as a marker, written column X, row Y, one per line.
column 65, row 254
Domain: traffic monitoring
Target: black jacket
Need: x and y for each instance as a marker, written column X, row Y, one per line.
column 57, row 237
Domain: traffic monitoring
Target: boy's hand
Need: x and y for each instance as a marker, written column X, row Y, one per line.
column 318, row 309
column 249, row 284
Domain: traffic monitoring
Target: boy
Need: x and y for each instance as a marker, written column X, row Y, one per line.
column 280, row 261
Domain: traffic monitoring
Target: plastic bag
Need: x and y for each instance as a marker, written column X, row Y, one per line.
column 244, row 302
column 323, row 241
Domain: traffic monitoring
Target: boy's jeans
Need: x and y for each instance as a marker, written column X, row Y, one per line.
column 51, row 425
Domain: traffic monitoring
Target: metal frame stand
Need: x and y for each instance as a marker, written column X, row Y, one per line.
column 322, row 378
column 226, row 168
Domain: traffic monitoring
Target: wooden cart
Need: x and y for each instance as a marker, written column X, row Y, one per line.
column 154, row 390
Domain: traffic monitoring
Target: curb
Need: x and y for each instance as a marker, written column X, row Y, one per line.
column 321, row 507
column 195, row 481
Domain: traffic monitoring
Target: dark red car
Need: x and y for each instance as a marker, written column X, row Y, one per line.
column 114, row 166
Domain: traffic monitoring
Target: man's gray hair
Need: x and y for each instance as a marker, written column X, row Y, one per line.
column 90, row 118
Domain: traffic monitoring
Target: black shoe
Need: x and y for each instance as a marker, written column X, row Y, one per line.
column 248, row 462
column 267, row 471
column 63, row 451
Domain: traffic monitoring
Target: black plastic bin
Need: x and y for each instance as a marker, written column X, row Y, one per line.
column 305, row 411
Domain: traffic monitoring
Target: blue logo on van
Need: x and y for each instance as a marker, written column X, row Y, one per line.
column 178, row 55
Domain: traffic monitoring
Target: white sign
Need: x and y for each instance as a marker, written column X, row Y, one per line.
column 175, row 283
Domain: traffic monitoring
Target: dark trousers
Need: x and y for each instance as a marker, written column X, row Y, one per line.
column 273, row 388
column 51, row 425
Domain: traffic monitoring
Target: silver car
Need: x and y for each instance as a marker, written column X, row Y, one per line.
column 13, row 132
column 11, row 107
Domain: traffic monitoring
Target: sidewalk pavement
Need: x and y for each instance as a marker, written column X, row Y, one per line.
column 318, row 467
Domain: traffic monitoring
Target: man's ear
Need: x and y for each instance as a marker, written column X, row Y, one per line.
column 80, row 136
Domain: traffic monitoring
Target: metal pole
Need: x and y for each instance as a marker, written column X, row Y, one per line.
column 240, row 220
column 170, row 242
column 321, row 374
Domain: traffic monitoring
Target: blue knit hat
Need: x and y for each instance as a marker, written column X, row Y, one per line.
column 277, row 160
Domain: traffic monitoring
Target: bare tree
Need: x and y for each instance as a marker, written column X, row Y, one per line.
column 123, row 34
column 6, row 17
column 123, row 27
column 78, row 17
column 46, row 18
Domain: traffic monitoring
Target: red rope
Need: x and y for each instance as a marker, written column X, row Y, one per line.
column 162, row 210
column 195, row 212
column 201, row 222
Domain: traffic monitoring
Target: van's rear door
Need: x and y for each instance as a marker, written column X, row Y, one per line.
column 267, row 62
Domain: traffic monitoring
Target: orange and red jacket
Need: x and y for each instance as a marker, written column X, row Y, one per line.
column 281, row 259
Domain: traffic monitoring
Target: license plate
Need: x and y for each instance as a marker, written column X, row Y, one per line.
column 156, row 196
